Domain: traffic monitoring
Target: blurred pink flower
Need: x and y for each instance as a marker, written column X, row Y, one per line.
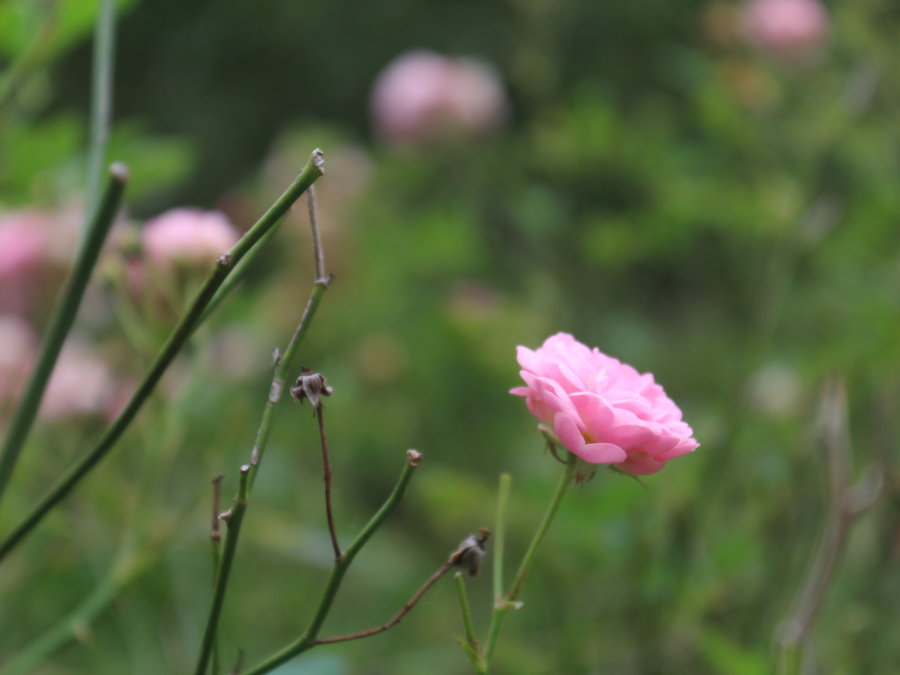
column 188, row 237
column 81, row 385
column 422, row 96
column 25, row 239
column 602, row 410
column 24, row 242
column 789, row 28
column 18, row 343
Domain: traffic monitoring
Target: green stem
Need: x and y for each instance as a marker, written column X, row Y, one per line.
column 308, row 639
column 234, row 520
column 500, row 533
column 237, row 275
column 508, row 601
column 282, row 368
column 188, row 324
column 278, row 381
column 471, row 645
column 61, row 322
column 215, row 537
column 101, row 97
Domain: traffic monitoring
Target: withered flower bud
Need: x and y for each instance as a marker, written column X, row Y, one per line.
column 310, row 385
column 470, row 553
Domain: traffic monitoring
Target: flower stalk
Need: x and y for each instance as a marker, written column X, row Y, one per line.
column 470, row 646
column 309, row 638
column 510, row 599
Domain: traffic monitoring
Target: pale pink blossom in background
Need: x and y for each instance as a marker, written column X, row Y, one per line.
column 37, row 247
column 187, row 237
column 81, row 385
column 18, row 344
column 24, row 243
column 795, row 29
column 422, row 96
column 25, row 239
column 602, row 410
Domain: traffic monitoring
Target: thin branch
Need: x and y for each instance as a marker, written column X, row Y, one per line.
column 238, row 662
column 846, row 501
column 61, row 322
column 508, row 601
column 500, row 533
column 561, row 487
column 180, row 335
column 468, row 554
column 316, row 236
column 234, row 518
column 215, row 537
column 283, row 364
column 307, row 640
column 326, row 469
column 441, row 571
column 473, row 651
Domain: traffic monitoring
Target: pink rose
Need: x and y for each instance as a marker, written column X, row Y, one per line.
column 602, row 410
column 187, row 237
column 794, row 29
column 422, row 96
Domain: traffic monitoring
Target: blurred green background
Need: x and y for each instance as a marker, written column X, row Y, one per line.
column 724, row 218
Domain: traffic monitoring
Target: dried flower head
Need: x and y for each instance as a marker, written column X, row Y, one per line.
column 310, row 386
column 470, row 552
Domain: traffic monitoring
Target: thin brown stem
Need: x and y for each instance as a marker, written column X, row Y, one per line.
column 307, row 639
column 316, row 236
column 326, row 467
column 846, row 501
column 441, row 571
column 238, row 663
column 472, row 547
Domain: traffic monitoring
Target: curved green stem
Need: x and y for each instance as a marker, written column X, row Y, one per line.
column 308, row 639
column 180, row 335
column 508, row 601
column 61, row 322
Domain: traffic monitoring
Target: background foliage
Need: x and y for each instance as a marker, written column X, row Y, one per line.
column 695, row 208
